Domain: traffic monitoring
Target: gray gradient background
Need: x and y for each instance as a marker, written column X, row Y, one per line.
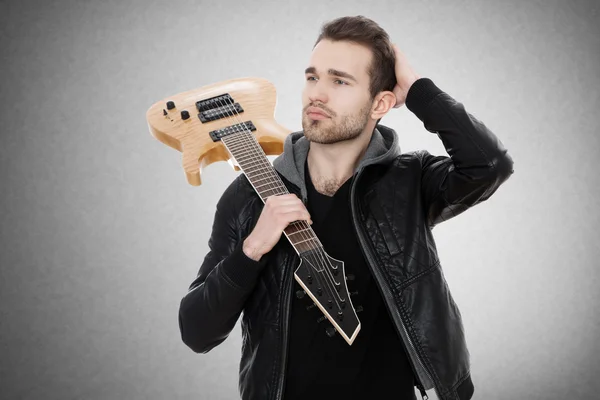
column 101, row 234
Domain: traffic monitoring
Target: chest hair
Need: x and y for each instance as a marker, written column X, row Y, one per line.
column 327, row 187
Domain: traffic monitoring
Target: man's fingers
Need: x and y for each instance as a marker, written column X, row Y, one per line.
column 399, row 97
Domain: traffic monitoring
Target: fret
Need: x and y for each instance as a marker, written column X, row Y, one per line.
column 246, row 158
column 301, row 237
column 266, row 172
column 265, row 184
column 250, row 161
column 304, row 241
column 276, row 191
column 243, row 148
column 300, row 231
column 257, row 170
column 258, row 179
column 254, row 168
column 263, row 180
column 307, row 246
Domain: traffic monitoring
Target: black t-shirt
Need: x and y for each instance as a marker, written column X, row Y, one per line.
column 323, row 367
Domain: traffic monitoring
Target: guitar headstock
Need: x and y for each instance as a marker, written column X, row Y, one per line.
column 323, row 278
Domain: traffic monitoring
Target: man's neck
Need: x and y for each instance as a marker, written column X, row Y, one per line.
column 330, row 165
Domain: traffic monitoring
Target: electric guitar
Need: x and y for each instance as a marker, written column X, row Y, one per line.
column 233, row 121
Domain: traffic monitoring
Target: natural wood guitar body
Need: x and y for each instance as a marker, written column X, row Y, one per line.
column 258, row 98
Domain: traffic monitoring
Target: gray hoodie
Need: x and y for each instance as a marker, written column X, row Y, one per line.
column 383, row 148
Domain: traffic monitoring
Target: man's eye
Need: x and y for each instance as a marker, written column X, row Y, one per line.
column 339, row 80
column 309, row 78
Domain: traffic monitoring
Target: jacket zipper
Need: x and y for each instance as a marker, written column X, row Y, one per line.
column 284, row 331
column 398, row 322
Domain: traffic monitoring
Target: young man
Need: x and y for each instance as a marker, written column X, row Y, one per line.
column 371, row 207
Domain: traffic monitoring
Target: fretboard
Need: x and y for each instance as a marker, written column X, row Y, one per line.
column 254, row 163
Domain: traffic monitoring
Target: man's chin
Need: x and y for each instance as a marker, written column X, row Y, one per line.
column 316, row 136
column 313, row 124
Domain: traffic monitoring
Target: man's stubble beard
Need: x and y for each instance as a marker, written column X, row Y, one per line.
column 349, row 128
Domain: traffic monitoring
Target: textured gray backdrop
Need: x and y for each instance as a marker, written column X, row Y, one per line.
column 101, row 234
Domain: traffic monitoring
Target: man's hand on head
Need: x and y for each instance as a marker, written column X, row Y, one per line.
column 405, row 77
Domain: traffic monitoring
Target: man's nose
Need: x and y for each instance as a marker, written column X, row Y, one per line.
column 318, row 93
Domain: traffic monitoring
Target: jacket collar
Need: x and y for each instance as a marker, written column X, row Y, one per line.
column 382, row 149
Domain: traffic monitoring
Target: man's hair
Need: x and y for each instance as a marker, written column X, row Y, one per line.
column 364, row 31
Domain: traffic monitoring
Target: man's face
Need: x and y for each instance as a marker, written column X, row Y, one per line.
column 337, row 83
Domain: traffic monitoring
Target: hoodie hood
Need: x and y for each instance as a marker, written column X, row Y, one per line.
column 382, row 149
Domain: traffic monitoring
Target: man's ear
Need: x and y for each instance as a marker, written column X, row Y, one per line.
column 382, row 103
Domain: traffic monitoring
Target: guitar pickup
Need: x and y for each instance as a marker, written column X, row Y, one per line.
column 225, row 111
column 247, row 126
column 217, row 107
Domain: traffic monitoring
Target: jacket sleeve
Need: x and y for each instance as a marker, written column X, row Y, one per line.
column 478, row 162
column 215, row 299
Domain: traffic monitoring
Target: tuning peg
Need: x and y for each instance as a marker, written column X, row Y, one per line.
column 359, row 309
column 331, row 331
column 300, row 294
column 319, row 290
column 350, row 277
column 321, row 319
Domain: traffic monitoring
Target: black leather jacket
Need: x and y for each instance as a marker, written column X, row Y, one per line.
column 396, row 200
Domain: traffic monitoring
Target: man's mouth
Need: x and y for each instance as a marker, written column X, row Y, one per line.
column 316, row 113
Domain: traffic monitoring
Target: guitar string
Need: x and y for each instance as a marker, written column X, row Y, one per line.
column 329, row 280
column 235, row 139
column 322, row 281
column 252, row 142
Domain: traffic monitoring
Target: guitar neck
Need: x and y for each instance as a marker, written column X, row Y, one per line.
column 254, row 163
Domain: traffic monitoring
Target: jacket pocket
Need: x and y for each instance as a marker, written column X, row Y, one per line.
column 435, row 322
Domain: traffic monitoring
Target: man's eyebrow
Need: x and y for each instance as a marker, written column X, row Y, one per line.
column 331, row 71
